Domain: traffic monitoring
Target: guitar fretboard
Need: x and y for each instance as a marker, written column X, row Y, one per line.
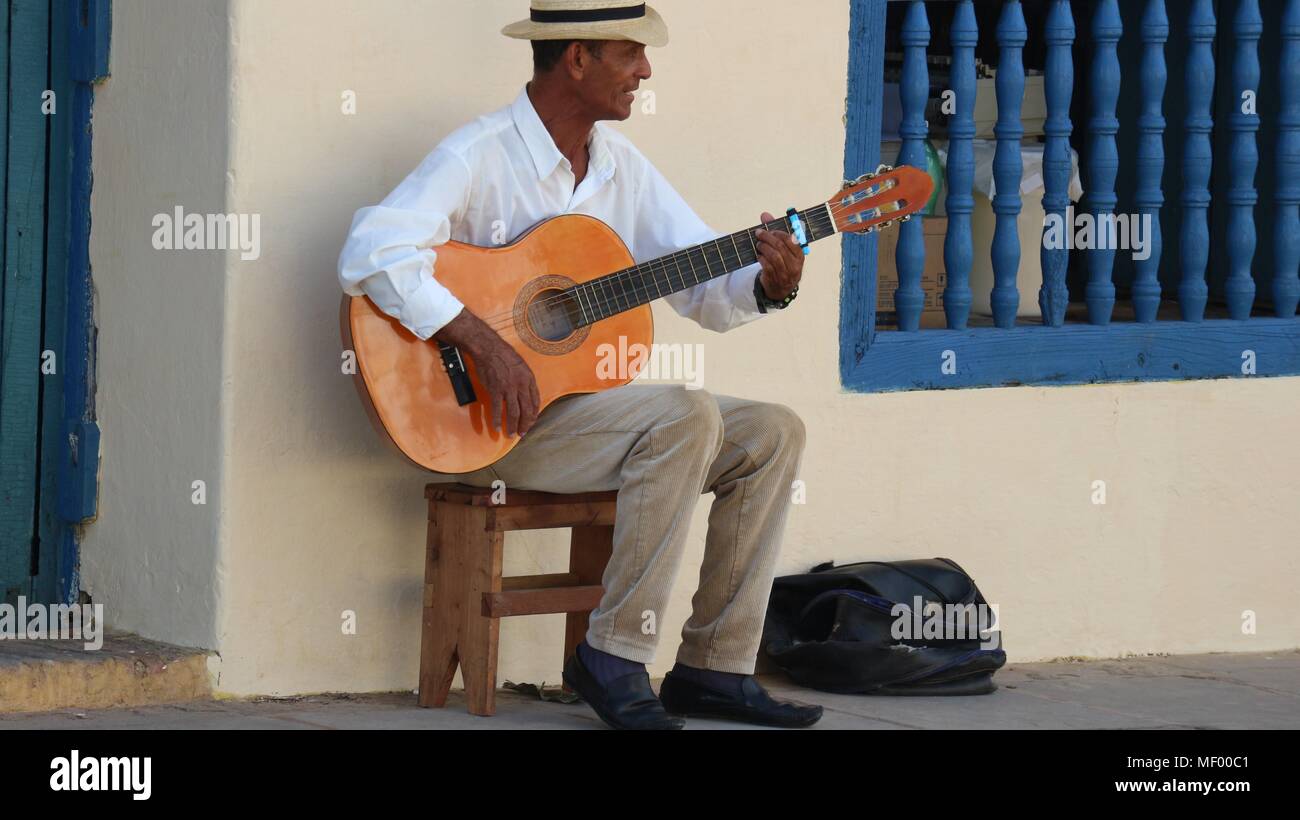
column 640, row 284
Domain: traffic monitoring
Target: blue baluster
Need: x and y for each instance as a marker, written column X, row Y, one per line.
column 1194, row 239
column 1286, row 233
column 914, row 90
column 1150, row 196
column 1053, row 296
column 1103, row 159
column 1008, row 167
column 1243, row 157
column 958, row 250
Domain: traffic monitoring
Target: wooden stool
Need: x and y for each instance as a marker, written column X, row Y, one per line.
column 465, row 595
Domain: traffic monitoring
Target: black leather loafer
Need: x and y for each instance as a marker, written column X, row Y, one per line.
column 753, row 705
column 626, row 703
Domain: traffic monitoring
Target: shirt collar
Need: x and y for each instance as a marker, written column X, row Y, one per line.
column 542, row 146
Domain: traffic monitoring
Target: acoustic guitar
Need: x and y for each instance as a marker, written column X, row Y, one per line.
column 560, row 294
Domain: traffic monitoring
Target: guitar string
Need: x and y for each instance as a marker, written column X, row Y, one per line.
column 636, row 283
column 817, row 218
column 659, row 270
column 649, row 274
column 639, row 290
column 505, row 319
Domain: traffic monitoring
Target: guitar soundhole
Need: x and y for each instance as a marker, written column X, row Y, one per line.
column 547, row 316
column 553, row 315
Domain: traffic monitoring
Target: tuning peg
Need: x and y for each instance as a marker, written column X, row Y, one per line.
column 907, row 218
column 883, row 169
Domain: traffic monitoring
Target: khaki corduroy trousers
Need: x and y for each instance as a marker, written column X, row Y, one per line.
column 661, row 447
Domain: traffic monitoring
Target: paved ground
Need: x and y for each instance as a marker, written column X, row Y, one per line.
column 1222, row 691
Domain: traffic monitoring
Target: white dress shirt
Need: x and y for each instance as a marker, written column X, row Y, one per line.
column 491, row 180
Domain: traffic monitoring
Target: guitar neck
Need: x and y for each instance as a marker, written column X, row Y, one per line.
column 641, row 284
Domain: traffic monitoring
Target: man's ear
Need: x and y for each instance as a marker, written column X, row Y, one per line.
column 575, row 59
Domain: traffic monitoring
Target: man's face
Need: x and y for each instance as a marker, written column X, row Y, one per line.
column 610, row 80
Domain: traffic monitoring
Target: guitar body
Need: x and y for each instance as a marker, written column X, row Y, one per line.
column 401, row 379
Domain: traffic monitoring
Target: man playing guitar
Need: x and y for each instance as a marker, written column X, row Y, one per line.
column 659, row 446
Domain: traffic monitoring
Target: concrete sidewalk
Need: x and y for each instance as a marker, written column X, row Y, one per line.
column 1217, row 691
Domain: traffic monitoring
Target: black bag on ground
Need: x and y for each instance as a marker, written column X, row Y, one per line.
column 838, row 629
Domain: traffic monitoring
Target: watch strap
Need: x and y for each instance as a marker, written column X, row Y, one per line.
column 765, row 303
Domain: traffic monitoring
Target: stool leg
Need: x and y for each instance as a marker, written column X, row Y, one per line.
column 463, row 562
column 440, row 624
column 589, row 551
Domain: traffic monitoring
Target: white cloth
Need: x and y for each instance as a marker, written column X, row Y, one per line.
column 494, row 178
column 1031, row 179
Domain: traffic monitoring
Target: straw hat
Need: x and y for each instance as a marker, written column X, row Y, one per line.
column 591, row 20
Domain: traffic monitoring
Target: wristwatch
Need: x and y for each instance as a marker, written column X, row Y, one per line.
column 764, row 303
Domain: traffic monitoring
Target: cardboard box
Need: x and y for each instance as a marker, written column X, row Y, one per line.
column 1033, row 109
column 933, row 277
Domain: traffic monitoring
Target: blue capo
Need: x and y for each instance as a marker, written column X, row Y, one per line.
column 796, row 224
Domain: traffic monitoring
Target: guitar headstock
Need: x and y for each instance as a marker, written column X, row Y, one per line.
column 874, row 201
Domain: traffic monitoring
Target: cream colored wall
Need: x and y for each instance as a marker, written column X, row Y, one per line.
column 318, row 519
column 160, row 140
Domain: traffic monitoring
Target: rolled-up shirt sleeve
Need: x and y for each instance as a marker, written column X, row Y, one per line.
column 389, row 253
column 665, row 223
